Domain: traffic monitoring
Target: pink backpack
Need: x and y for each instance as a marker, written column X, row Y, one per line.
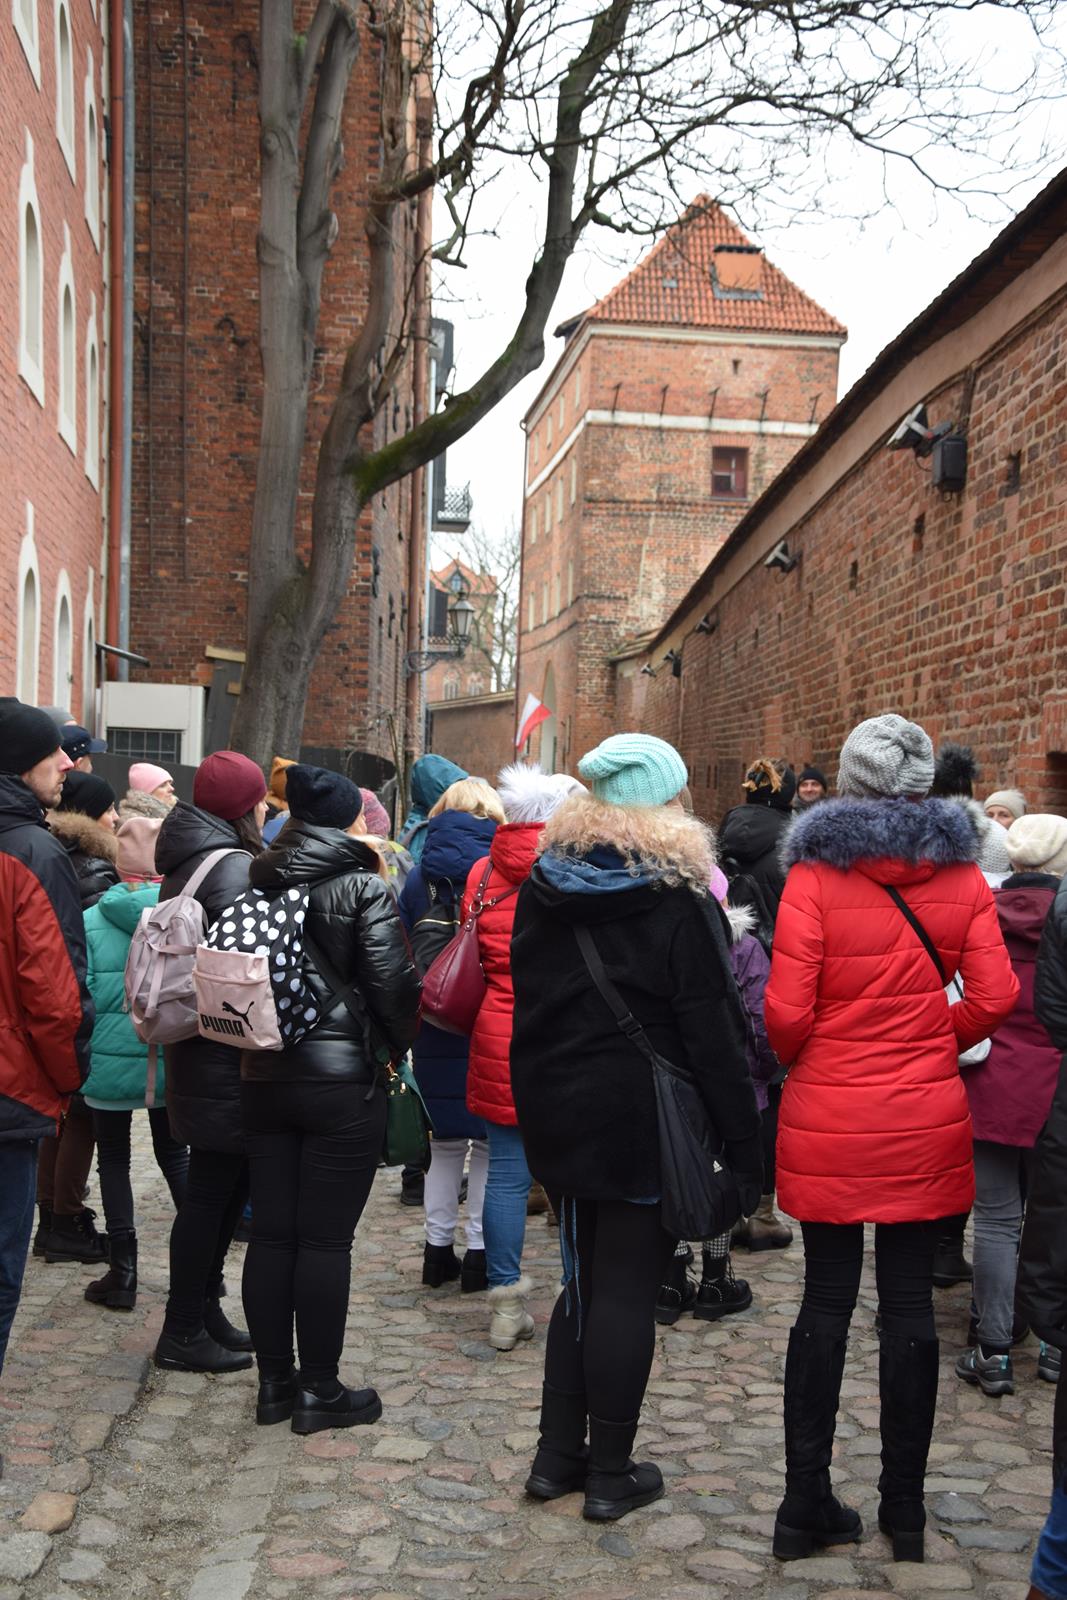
column 160, row 996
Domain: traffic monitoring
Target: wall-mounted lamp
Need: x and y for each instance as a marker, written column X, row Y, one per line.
column 707, row 624
column 782, row 558
column 674, row 657
column 648, row 672
column 943, row 442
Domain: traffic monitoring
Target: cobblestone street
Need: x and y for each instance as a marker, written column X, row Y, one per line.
column 120, row 1480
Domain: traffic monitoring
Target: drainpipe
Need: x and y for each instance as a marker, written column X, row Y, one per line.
column 418, row 544
column 128, row 134
column 120, row 331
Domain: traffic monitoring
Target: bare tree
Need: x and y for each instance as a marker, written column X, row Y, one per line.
column 495, row 626
column 614, row 105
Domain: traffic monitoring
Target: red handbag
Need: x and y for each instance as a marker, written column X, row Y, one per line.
column 454, row 986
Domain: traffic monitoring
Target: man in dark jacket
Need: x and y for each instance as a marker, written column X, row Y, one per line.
column 45, row 1010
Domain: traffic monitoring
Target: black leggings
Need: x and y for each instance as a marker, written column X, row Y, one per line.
column 602, row 1335
column 313, row 1151
column 903, row 1266
column 215, row 1196
column 769, row 1136
column 113, row 1162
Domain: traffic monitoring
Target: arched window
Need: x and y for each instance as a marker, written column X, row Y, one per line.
column 475, row 684
column 68, row 355
column 31, row 281
column 92, row 158
column 63, row 645
column 89, row 659
column 65, row 86
column 29, row 616
column 92, row 400
column 451, row 686
column 24, row 16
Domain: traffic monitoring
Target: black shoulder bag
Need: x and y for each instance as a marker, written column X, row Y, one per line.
column 924, row 938
column 699, row 1198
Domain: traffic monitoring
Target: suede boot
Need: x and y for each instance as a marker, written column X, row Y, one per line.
column 562, row 1461
column 440, row 1264
column 907, row 1378
column 510, row 1321
column 766, row 1230
column 809, row 1517
column 117, row 1289
column 319, row 1406
column 473, row 1278
column 616, row 1485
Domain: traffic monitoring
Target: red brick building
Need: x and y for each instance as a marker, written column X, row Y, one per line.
column 947, row 605
column 676, row 400
column 53, row 328
column 471, row 675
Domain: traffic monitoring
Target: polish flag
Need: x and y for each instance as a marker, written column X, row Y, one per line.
column 534, row 712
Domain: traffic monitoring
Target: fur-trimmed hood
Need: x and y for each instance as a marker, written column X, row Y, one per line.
column 845, row 833
column 137, row 804
column 78, row 832
column 530, row 795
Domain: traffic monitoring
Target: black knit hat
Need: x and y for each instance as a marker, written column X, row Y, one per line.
column 27, row 736
column 327, row 799
column 86, row 793
column 810, row 774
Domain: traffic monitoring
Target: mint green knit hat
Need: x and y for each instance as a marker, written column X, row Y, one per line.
column 634, row 769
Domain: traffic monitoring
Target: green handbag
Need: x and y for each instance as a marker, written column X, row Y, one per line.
column 407, row 1122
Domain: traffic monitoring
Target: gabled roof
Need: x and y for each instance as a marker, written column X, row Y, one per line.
column 477, row 582
column 674, row 285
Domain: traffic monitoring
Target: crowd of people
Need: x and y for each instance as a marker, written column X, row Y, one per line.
column 865, row 993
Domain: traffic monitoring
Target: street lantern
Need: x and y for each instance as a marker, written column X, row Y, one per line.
column 460, row 623
column 461, row 616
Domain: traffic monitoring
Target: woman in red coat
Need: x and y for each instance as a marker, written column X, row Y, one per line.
column 529, row 797
column 874, row 1124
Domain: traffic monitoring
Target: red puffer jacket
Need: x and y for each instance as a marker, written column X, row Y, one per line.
column 512, row 853
column 874, row 1124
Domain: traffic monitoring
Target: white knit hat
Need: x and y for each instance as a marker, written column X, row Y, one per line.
column 884, row 757
column 1039, row 844
column 1012, row 800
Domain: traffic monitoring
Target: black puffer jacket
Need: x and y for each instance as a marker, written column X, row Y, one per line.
column 749, row 840
column 92, row 851
column 203, row 1078
column 352, row 919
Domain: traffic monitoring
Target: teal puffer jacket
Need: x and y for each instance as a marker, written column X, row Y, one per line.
column 119, row 1059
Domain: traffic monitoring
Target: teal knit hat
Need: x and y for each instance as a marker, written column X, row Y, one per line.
column 634, row 769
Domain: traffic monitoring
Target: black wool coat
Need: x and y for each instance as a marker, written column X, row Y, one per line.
column 749, row 842
column 353, row 921
column 203, row 1078
column 583, row 1092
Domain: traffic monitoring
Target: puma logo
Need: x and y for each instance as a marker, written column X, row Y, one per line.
column 226, row 1006
column 223, row 1025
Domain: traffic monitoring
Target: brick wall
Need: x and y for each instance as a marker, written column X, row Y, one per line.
column 479, row 735
column 46, row 484
column 198, row 387
column 949, row 609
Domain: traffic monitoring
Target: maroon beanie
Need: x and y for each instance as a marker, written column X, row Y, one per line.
column 228, row 785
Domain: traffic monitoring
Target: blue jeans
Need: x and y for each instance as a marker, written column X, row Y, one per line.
column 18, row 1190
column 504, row 1214
column 1049, row 1572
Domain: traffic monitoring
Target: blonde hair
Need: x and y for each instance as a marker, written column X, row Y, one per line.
column 660, row 840
column 473, row 795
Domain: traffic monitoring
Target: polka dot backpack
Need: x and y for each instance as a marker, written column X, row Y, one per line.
column 249, row 974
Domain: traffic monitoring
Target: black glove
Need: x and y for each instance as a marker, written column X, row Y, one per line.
column 750, row 1188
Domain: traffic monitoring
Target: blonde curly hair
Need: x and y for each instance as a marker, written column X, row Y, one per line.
column 662, row 841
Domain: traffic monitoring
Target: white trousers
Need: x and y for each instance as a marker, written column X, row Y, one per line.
column 443, row 1180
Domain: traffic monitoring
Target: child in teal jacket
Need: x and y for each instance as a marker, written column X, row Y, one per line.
column 119, row 1082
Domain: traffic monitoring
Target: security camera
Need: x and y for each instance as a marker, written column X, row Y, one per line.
column 781, row 557
column 913, row 431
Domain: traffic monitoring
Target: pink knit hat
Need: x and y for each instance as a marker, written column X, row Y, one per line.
column 375, row 814
column 719, row 885
column 136, row 839
column 145, row 777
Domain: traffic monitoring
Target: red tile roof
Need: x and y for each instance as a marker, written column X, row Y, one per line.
column 673, row 285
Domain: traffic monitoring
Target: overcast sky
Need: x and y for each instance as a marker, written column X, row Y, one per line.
column 874, row 276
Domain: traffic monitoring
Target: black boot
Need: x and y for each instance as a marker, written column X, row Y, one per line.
column 440, row 1264
column 221, row 1329
column 198, row 1352
column 720, row 1293
column 562, row 1461
column 276, row 1398
column 614, row 1484
column 473, row 1277
column 810, row 1517
column 75, row 1239
column 677, row 1292
column 950, row 1264
column 330, row 1405
column 907, row 1379
column 44, row 1228
column 117, row 1289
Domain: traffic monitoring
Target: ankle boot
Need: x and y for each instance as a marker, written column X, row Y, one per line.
column 810, row 1517
column 907, row 1377
column 440, row 1264
column 197, row 1352
column 562, row 1461
column 319, row 1406
column 766, row 1230
column 950, row 1264
column 614, row 1484
column 75, row 1239
column 677, row 1293
column 473, row 1278
column 720, row 1293
column 510, row 1320
column 117, row 1289
column 222, row 1330
column 44, row 1228
column 276, row 1398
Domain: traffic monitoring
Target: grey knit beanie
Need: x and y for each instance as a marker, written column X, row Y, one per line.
column 885, row 757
